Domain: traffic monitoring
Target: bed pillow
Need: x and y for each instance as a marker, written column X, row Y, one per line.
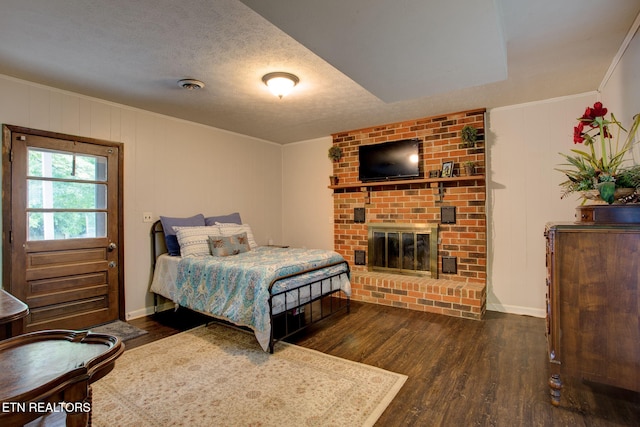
column 229, row 245
column 194, row 241
column 229, row 229
column 233, row 218
column 173, row 248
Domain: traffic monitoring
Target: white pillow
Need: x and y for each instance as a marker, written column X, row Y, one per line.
column 194, row 241
column 229, row 229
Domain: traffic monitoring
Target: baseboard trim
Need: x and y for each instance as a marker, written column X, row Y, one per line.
column 515, row 309
column 148, row 311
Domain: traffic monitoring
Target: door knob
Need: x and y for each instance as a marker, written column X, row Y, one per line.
column 112, row 246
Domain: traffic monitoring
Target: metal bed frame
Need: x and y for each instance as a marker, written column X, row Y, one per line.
column 294, row 319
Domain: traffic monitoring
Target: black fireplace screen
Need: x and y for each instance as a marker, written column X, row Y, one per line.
column 404, row 251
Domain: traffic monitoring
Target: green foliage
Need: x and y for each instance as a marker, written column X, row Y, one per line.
column 469, row 134
column 61, row 179
column 335, row 153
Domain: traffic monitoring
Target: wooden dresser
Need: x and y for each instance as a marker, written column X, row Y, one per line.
column 593, row 304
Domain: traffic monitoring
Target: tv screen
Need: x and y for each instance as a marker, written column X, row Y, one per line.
column 389, row 160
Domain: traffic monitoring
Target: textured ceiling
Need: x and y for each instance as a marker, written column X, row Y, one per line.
column 360, row 62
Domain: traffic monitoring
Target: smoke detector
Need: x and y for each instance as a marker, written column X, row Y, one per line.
column 190, row 84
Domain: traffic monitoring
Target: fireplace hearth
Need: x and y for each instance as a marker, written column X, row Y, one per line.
column 410, row 249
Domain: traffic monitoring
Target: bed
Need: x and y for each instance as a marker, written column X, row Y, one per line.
column 274, row 291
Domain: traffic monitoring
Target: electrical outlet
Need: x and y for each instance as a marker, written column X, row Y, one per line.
column 147, row 217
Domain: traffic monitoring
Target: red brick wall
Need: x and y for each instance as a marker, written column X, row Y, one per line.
column 418, row 203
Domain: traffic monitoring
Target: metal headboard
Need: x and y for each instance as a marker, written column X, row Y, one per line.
column 158, row 244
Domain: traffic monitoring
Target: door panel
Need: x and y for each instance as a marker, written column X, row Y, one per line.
column 65, row 228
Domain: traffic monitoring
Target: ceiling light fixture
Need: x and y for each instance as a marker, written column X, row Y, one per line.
column 279, row 83
column 190, row 84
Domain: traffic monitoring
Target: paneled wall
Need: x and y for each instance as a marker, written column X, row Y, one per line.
column 172, row 167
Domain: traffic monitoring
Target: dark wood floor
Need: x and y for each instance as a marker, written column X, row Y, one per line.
column 461, row 372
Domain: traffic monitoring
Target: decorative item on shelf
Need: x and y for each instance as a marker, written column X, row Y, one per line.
column 447, row 170
column 469, row 168
column 434, row 174
column 469, row 135
column 601, row 170
column 335, row 153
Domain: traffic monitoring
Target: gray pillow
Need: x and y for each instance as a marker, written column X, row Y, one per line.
column 232, row 218
column 173, row 248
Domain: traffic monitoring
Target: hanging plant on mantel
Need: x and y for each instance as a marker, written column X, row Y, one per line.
column 335, row 153
column 469, row 135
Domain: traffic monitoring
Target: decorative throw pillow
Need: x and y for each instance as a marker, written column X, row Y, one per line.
column 194, row 241
column 233, row 218
column 228, row 229
column 173, row 248
column 229, row 245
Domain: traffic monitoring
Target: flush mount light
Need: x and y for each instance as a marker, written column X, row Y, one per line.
column 190, row 84
column 279, row 83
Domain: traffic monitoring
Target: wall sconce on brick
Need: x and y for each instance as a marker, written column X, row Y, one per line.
column 449, row 265
column 447, row 214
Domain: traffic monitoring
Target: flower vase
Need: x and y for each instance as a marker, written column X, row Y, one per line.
column 607, row 191
column 595, row 196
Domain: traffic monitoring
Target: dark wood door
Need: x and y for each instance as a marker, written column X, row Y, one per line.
column 62, row 239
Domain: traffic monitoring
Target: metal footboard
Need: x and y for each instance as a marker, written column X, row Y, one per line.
column 293, row 319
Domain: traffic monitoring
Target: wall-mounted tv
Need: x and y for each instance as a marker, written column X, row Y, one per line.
column 389, row 160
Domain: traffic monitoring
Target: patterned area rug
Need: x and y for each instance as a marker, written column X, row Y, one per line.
column 120, row 329
column 219, row 376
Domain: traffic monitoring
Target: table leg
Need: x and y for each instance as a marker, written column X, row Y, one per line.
column 77, row 394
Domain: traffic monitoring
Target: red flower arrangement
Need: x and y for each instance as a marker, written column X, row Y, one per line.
column 600, row 168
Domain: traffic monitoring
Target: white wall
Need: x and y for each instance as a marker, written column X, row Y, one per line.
column 307, row 203
column 523, row 194
column 171, row 167
column 621, row 92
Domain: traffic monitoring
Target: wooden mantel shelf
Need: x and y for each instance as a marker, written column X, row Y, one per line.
column 407, row 181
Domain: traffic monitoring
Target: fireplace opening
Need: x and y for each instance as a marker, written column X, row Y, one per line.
column 404, row 248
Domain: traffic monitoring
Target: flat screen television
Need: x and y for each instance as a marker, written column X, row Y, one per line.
column 389, row 160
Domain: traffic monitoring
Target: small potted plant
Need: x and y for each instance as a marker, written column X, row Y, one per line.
column 469, row 167
column 335, row 153
column 469, row 134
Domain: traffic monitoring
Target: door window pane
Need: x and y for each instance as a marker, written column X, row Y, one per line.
column 58, row 164
column 75, row 183
column 66, row 225
column 43, row 194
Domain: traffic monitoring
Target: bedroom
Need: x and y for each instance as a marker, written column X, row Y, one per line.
column 178, row 167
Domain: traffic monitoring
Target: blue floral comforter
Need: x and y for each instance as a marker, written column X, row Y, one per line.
column 236, row 288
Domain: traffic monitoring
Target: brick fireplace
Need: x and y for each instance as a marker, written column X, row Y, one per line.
column 457, row 287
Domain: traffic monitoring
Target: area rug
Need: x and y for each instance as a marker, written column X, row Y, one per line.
column 120, row 329
column 219, row 376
